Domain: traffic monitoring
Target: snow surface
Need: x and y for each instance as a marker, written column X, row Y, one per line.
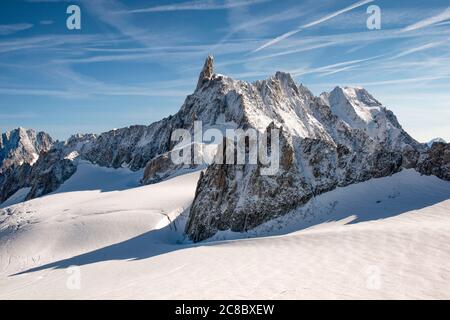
column 384, row 238
column 17, row 197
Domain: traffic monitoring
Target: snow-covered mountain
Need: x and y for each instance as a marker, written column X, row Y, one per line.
column 353, row 187
column 21, row 146
column 336, row 139
column 133, row 147
column 342, row 137
column 19, row 151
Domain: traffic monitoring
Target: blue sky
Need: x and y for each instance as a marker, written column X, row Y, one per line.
column 133, row 62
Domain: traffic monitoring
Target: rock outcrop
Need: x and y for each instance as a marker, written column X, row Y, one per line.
column 21, row 146
column 436, row 161
column 207, row 71
column 20, row 149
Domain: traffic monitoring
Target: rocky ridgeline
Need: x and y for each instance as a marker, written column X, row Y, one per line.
column 22, row 146
column 336, row 139
column 20, row 149
column 436, row 161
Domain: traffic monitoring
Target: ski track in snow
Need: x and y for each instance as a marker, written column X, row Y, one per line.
column 384, row 238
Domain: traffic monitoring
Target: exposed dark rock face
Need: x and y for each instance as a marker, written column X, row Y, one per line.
column 132, row 147
column 239, row 198
column 158, row 169
column 207, row 71
column 162, row 167
column 49, row 172
column 20, row 149
column 436, row 161
column 22, row 146
column 45, row 176
column 14, row 178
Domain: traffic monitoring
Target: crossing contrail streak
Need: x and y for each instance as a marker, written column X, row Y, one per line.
column 311, row 24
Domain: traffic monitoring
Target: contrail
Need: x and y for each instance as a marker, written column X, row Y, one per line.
column 420, row 48
column 198, row 5
column 316, row 22
column 430, row 21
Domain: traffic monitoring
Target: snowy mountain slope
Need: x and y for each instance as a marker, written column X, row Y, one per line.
column 89, row 177
column 95, row 207
column 383, row 238
column 371, row 200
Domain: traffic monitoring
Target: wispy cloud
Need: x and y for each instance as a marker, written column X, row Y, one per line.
column 106, row 11
column 73, row 85
column 250, row 21
column 199, row 5
column 332, row 68
column 294, row 46
column 107, row 90
column 348, row 68
column 52, row 42
column 429, row 21
column 46, row 22
column 6, row 29
column 405, row 80
column 419, row 49
column 242, row 21
column 313, row 23
column 27, row 115
column 114, row 14
column 445, row 23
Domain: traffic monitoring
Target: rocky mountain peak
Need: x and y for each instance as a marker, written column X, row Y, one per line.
column 435, row 140
column 354, row 94
column 207, row 71
column 343, row 137
column 22, row 145
column 20, row 150
column 436, row 161
column 284, row 77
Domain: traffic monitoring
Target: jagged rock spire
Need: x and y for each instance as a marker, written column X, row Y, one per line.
column 207, row 71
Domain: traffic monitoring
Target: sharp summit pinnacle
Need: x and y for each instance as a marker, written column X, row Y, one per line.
column 207, row 71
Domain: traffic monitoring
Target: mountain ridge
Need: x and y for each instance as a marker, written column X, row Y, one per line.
column 334, row 139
